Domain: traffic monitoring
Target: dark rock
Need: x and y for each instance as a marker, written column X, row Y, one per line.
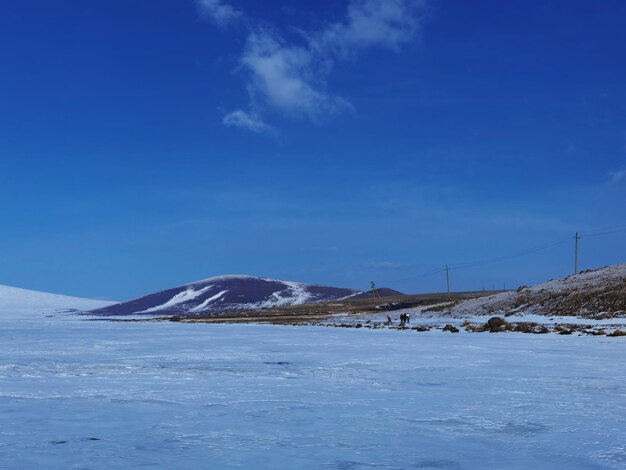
column 618, row 333
column 496, row 324
column 524, row 327
column 451, row 328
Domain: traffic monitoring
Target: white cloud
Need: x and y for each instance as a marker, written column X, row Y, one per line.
column 221, row 13
column 373, row 23
column 290, row 78
column 247, row 121
column 287, row 78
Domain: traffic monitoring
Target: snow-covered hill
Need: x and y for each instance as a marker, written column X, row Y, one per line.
column 593, row 293
column 16, row 302
column 382, row 292
column 222, row 294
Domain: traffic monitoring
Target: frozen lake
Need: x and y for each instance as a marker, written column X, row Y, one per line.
column 78, row 394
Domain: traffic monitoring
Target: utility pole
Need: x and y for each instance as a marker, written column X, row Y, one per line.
column 375, row 294
column 447, row 270
column 576, row 238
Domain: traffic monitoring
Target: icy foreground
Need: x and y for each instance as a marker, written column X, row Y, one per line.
column 102, row 395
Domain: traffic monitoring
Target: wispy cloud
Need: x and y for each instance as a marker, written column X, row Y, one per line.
column 373, row 23
column 247, row 121
column 617, row 177
column 220, row 12
column 383, row 265
column 289, row 78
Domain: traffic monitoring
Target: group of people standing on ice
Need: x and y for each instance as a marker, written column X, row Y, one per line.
column 405, row 318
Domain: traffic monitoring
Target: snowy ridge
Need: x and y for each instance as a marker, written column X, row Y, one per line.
column 224, row 277
column 23, row 302
column 600, row 291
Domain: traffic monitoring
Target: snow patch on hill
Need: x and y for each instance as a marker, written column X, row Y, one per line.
column 296, row 294
column 204, row 305
column 187, row 295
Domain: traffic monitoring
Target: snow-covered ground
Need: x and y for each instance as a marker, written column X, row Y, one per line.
column 439, row 320
column 587, row 294
column 81, row 394
column 20, row 303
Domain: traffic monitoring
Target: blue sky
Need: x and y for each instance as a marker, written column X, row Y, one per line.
column 147, row 144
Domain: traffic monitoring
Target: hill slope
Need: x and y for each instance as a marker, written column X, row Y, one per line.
column 222, row 294
column 23, row 302
column 588, row 294
column 380, row 293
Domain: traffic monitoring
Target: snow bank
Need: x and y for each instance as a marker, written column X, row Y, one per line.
column 20, row 303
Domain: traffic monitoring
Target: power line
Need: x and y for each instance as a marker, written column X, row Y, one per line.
column 528, row 251
column 416, row 276
column 506, row 257
column 603, row 231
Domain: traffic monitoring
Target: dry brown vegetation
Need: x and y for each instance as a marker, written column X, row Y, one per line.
column 307, row 313
column 597, row 294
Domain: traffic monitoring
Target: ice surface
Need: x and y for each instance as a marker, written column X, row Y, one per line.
column 78, row 394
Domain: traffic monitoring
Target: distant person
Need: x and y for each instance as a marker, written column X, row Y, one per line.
column 388, row 320
column 407, row 317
